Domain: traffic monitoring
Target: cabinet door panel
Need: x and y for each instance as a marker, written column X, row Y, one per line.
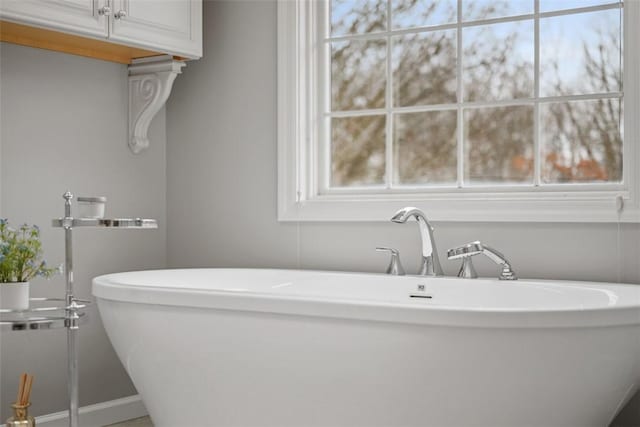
column 173, row 26
column 71, row 16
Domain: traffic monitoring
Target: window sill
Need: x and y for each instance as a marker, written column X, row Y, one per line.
column 495, row 207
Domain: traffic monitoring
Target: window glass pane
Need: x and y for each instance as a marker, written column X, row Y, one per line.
column 485, row 9
column 549, row 5
column 424, row 68
column 357, row 150
column 358, row 17
column 358, row 74
column 581, row 53
column 498, row 61
column 499, row 145
column 422, row 13
column 425, row 147
column 581, row 141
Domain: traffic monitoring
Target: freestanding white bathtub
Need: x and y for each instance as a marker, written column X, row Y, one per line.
column 252, row 348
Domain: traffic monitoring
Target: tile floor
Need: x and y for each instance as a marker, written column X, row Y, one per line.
column 136, row 422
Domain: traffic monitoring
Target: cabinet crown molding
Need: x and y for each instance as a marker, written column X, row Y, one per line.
column 150, row 83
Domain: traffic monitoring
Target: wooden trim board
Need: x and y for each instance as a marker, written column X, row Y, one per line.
column 25, row 35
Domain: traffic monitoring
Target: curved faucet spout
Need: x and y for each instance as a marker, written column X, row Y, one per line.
column 430, row 265
column 405, row 213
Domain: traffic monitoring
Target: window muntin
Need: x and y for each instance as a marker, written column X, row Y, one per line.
column 478, row 100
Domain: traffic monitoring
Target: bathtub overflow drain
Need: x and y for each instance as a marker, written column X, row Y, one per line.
column 425, row 296
column 421, row 293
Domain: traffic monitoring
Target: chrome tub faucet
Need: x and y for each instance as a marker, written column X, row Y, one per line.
column 430, row 265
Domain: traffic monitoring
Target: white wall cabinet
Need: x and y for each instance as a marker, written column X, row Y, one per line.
column 174, row 26
column 169, row 26
column 147, row 35
column 81, row 17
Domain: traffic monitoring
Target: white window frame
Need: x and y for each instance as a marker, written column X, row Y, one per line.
column 299, row 122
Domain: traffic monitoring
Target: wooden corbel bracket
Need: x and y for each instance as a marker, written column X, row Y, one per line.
column 150, row 83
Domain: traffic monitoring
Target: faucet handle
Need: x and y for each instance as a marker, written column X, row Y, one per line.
column 474, row 248
column 467, row 270
column 465, row 252
column 395, row 266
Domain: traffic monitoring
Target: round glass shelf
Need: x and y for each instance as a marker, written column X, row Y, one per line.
column 43, row 313
column 105, row 222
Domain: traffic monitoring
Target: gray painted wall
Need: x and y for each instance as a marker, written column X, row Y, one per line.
column 64, row 126
column 221, row 193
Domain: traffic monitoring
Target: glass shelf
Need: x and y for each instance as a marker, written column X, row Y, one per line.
column 105, row 222
column 43, row 313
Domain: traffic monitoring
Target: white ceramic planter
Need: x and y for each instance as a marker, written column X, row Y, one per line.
column 14, row 296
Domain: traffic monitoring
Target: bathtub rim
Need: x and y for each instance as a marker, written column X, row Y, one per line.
column 365, row 310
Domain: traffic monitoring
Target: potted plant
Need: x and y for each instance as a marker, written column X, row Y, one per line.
column 20, row 261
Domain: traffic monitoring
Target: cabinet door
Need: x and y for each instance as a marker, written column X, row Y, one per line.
column 71, row 16
column 172, row 26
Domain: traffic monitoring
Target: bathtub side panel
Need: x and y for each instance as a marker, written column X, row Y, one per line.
column 232, row 368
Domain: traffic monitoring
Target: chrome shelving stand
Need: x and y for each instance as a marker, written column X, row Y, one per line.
column 68, row 312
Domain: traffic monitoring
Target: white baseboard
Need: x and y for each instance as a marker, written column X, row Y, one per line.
column 98, row 415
